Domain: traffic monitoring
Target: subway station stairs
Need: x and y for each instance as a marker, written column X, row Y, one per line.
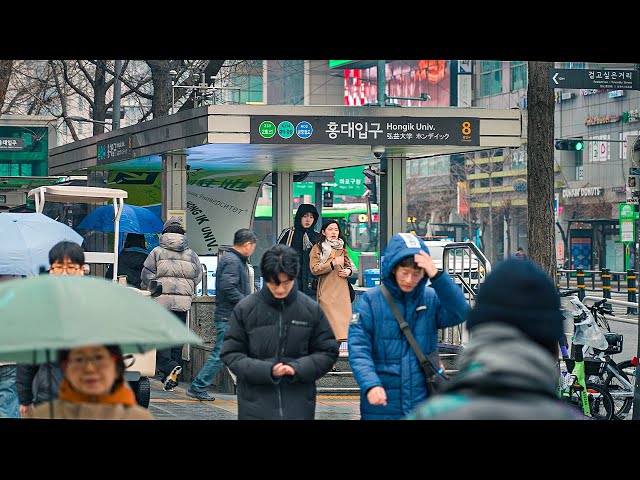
column 342, row 381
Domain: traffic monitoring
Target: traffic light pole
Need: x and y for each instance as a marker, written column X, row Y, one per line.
column 636, row 391
column 633, row 158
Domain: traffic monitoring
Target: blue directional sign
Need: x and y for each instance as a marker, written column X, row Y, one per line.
column 613, row 79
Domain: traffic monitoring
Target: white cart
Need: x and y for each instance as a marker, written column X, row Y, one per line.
column 144, row 365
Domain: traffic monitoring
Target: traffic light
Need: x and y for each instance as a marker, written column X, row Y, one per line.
column 327, row 198
column 573, row 145
column 370, row 182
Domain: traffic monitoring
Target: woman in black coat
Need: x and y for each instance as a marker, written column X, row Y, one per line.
column 301, row 237
column 278, row 344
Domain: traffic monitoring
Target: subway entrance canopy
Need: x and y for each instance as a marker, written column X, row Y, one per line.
column 231, row 148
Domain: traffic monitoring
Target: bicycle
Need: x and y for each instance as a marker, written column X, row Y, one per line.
column 593, row 399
column 617, row 377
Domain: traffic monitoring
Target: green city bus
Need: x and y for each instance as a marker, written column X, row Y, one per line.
column 360, row 231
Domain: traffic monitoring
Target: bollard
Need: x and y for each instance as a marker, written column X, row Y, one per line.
column 558, row 275
column 606, row 288
column 631, row 291
column 580, row 280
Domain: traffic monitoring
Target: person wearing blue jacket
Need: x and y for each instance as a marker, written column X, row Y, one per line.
column 390, row 378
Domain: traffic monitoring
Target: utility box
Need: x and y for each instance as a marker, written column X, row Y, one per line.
column 366, row 261
column 371, row 277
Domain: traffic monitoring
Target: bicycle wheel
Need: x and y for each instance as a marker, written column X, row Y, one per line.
column 600, row 402
column 621, row 405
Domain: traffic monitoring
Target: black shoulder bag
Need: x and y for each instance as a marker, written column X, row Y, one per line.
column 431, row 364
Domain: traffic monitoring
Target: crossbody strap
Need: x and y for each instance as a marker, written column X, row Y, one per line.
column 404, row 326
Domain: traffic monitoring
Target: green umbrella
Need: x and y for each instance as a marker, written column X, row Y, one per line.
column 42, row 314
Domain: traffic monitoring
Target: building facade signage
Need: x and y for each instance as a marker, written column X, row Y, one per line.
column 631, row 116
column 581, row 192
column 520, row 185
column 591, row 91
column 11, row 144
column 114, row 149
column 458, row 131
column 600, row 119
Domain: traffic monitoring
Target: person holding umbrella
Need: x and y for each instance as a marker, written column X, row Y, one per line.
column 93, row 387
column 86, row 324
column 38, row 383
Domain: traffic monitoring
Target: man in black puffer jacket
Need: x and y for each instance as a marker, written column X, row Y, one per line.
column 279, row 342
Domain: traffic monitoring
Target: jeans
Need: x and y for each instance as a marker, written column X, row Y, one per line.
column 9, row 404
column 169, row 358
column 213, row 363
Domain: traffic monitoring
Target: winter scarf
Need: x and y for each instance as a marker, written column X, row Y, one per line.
column 122, row 395
column 327, row 245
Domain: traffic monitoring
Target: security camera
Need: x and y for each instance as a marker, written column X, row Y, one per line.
column 377, row 150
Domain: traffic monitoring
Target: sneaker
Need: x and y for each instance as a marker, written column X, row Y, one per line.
column 172, row 379
column 202, row 396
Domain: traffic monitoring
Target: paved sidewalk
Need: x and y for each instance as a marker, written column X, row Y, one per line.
column 177, row 405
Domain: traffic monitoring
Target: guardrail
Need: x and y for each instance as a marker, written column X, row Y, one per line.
column 603, row 280
column 468, row 266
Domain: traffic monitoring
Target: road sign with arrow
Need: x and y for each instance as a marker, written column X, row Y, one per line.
column 612, row 79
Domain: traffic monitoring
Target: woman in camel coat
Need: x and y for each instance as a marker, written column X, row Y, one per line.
column 331, row 264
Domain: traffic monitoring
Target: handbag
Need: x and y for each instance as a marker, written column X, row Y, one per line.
column 352, row 292
column 437, row 378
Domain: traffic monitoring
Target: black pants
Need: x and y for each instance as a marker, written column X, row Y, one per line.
column 168, row 358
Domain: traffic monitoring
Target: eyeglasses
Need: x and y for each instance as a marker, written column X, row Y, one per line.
column 71, row 268
column 100, row 360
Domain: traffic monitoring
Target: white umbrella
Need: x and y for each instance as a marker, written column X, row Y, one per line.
column 25, row 241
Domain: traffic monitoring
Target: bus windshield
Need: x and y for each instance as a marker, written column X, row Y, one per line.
column 362, row 232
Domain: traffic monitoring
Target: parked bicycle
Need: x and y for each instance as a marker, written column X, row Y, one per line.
column 617, row 377
column 592, row 398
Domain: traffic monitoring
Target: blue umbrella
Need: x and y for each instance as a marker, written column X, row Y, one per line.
column 26, row 240
column 134, row 219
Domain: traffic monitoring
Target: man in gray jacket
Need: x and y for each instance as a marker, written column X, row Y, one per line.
column 232, row 285
column 178, row 269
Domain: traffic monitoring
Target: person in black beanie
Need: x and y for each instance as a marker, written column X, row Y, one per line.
column 301, row 237
column 508, row 370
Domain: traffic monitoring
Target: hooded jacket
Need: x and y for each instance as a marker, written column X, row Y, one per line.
column 263, row 331
column 294, row 237
column 130, row 263
column 502, row 375
column 177, row 267
column 379, row 353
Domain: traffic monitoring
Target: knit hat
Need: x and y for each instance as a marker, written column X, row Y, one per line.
column 519, row 293
column 171, row 221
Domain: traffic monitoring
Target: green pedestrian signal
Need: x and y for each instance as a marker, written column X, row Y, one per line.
column 574, row 145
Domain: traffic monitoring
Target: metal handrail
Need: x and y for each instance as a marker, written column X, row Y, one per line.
column 205, row 274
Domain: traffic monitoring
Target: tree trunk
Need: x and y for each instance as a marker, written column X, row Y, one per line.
column 540, row 174
column 6, row 67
